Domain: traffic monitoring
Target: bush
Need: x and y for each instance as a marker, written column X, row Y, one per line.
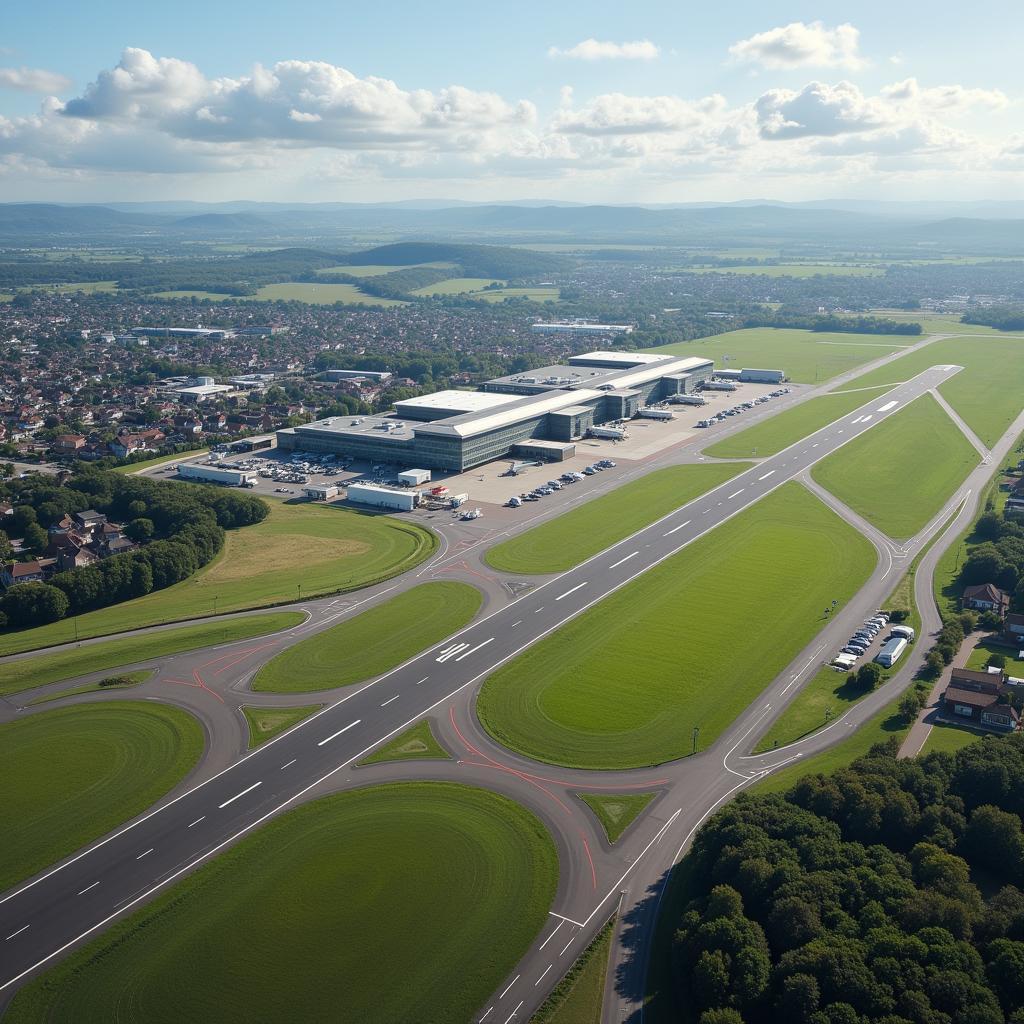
column 34, row 604
column 116, row 681
column 897, row 615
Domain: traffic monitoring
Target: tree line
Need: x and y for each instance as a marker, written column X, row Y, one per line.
column 888, row 892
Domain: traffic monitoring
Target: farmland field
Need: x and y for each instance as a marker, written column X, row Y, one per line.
column 624, row 684
column 379, row 269
column 191, row 293
column 318, row 548
column 986, row 392
column 533, row 294
column 373, row 641
column 69, row 776
column 900, row 473
column 786, row 428
column 319, row 294
column 40, row 669
column 457, row 286
column 440, row 885
column 574, row 536
column 806, row 356
column 796, row 270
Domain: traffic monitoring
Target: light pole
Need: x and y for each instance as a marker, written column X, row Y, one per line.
column 299, row 586
column 696, row 733
column 215, row 599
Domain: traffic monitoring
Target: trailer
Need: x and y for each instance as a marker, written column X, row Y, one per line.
column 719, row 385
column 892, row 651
column 844, row 661
column 607, row 433
column 458, row 499
column 682, row 399
column 656, row 414
column 216, row 475
column 383, row 497
column 907, row 632
column 759, row 376
column 321, row 492
column 414, row 477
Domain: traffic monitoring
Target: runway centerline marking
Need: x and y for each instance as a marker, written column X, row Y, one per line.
column 289, row 764
column 390, row 699
column 621, row 560
column 510, row 984
column 17, row 933
column 146, row 854
column 339, row 732
column 423, row 680
column 735, row 494
column 676, row 528
column 765, row 477
column 887, row 407
column 543, row 976
column 567, row 945
column 473, row 650
column 572, row 591
column 238, row 795
column 515, row 1011
column 196, row 822
column 88, row 887
column 552, row 935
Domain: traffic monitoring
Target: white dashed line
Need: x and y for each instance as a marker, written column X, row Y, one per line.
column 573, row 591
column 473, row 650
column 289, row 764
column 510, row 984
column 552, row 935
column 542, row 977
column 887, row 407
column 423, row 680
column 203, row 818
column 390, row 699
column 515, row 1011
column 765, row 477
column 237, row 796
column 621, row 560
column 339, row 732
column 88, row 887
column 146, row 854
column 676, row 528
column 18, row 932
column 567, row 945
column 734, row 494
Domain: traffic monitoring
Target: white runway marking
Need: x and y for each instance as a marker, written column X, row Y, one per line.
column 390, row 699
column 423, row 680
column 486, row 1015
column 734, row 494
column 543, row 976
column 146, row 854
column 510, row 984
column 339, row 732
column 675, row 529
column 765, row 477
column 857, row 420
column 289, row 764
column 552, row 935
column 621, row 560
column 450, row 652
column 887, row 407
column 562, row 917
column 515, row 1011
column 866, row 418
column 18, row 932
column 238, row 795
column 88, row 887
column 196, row 822
column 473, row 650
column 567, row 945
column 573, row 591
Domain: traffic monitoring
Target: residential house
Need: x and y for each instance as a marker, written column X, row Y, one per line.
column 986, row 597
column 1014, row 626
column 35, row 571
column 144, row 441
column 68, row 444
column 980, row 698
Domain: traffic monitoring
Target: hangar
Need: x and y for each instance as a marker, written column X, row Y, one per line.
column 456, row 430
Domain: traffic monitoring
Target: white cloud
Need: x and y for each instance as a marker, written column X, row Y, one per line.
column 799, row 45
column 594, row 49
column 33, row 80
column 950, row 98
column 818, row 109
column 618, row 114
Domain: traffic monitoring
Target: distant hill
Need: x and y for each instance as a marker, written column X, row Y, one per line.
column 44, row 218
column 224, row 222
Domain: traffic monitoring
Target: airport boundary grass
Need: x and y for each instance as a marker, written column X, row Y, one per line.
column 373, row 641
column 789, row 426
column 463, row 873
column 266, row 723
column 38, row 670
column 986, row 392
column 617, row 811
column 414, row 744
column 575, row 536
column 808, row 357
column 899, row 474
column 159, row 460
column 128, row 679
column 69, row 776
column 579, row 997
column 304, row 550
column 624, row 684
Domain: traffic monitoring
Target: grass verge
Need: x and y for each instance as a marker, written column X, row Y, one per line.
column 788, row 427
column 373, row 641
column 129, row 679
column 414, row 744
column 71, row 775
column 579, row 997
column 266, row 723
column 298, row 551
column 575, row 536
column 948, row 738
column 899, row 474
column 439, row 885
column 616, row 812
column 38, row 670
column 686, row 645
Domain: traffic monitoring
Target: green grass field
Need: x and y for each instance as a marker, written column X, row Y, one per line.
column 319, row 294
column 686, row 645
column 266, row 723
column 379, row 270
column 191, row 293
column 40, row 669
column 457, row 286
column 131, row 679
column 159, row 460
column 579, row 996
column 323, row 549
column 986, row 392
column 978, row 658
column 373, row 641
column 407, row 902
column 616, row 811
column 414, row 744
column 69, row 776
column 788, row 427
column 949, row 738
column 899, row 474
column 533, row 294
column 574, row 536
column 88, row 287
column 796, row 270
column 806, row 356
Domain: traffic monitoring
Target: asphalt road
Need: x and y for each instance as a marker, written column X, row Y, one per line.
column 61, row 908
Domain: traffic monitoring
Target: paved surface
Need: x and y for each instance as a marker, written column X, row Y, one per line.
column 76, row 899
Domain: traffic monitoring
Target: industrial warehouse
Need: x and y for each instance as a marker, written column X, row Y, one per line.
column 535, row 414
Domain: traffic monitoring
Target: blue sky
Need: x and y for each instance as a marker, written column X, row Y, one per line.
column 597, row 101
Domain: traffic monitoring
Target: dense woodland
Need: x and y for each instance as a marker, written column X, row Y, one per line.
column 888, row 892
column 178, row 530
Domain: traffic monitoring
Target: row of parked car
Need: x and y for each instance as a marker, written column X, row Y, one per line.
column 736, row 410
column 861, row 640
column 556, row 485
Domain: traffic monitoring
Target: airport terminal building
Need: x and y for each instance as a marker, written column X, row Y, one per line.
column 521, row 414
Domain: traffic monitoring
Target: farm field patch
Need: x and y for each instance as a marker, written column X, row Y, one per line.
column 899, row 474
column 440, row 885
column 625, row 684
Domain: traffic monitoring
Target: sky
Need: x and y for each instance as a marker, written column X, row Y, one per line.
column 641, row 102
